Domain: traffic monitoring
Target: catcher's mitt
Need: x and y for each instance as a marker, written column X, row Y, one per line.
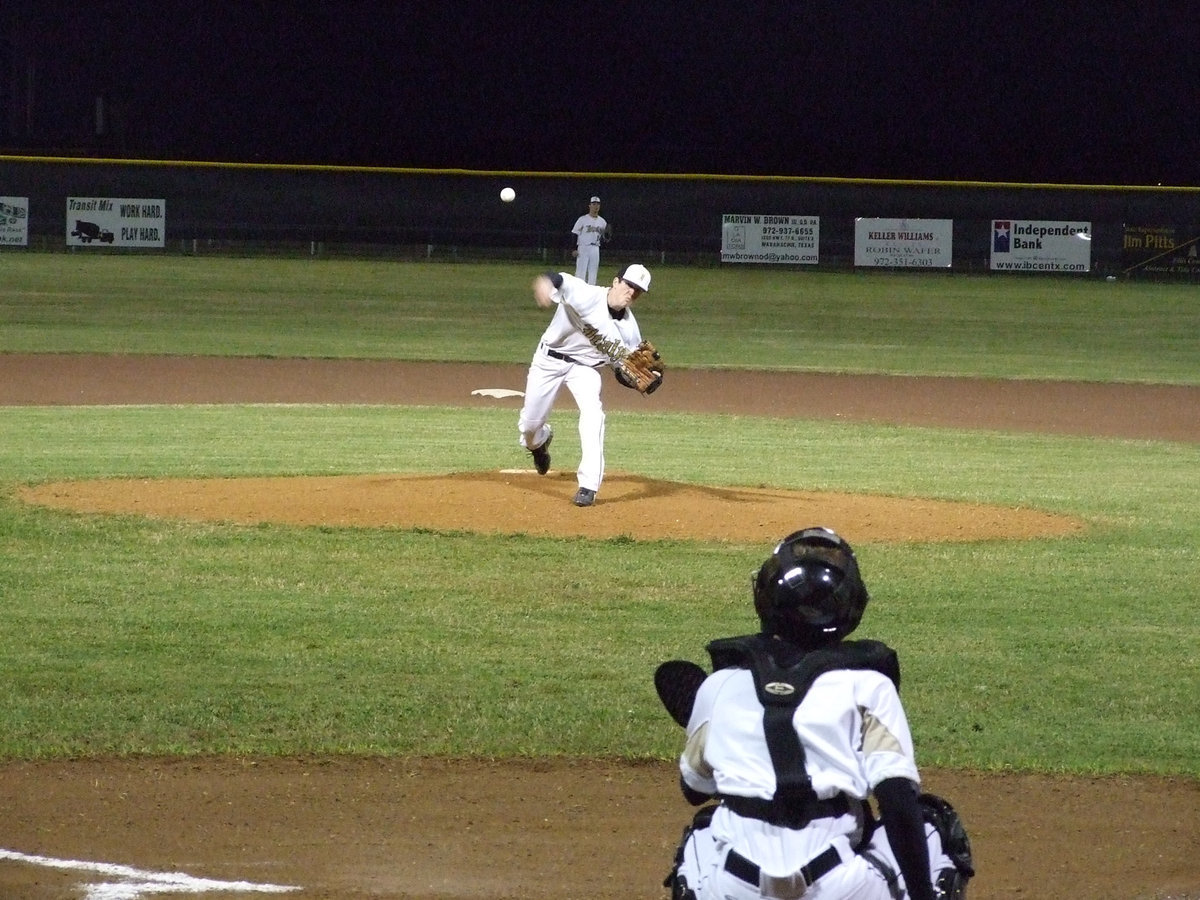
column 641, row 369
column 676, row 682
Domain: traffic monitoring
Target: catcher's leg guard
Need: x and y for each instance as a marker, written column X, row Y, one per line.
column 676, row 879
column 950, row 883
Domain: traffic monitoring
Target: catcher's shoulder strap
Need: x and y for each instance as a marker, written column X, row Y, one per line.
column 780, row 689
column 786, row 684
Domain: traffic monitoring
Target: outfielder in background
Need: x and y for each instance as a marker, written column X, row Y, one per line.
column 590, row 230
column 791, row 733
column 593, row 329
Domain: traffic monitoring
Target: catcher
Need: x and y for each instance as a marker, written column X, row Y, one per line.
column 593, row 328
column 787, row 738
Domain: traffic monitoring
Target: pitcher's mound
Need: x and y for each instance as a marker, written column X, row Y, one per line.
column 522, row 502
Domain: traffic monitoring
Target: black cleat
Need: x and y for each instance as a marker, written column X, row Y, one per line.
column 584, row 497
column 541, row 456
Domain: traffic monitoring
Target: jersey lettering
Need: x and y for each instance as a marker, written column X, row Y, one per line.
column 613, row 349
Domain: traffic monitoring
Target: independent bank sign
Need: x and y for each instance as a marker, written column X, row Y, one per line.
column 1022, row 245
column 116, row 222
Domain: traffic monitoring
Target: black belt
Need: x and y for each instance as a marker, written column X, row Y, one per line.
column 571, row 359
column 787, row 815
column 821, row 864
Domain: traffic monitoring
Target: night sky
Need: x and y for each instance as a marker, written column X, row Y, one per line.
column 1093, row 93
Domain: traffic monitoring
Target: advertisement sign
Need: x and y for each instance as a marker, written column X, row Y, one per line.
column 14, row 221
column 770, row 239
column 1021, row 245
column 904, row 243
column 116, row 222
column 1163, row 250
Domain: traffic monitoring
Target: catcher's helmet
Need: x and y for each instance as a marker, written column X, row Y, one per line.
column 809, row 591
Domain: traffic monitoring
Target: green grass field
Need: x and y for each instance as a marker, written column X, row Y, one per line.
column 128, row 635
column 899, row 323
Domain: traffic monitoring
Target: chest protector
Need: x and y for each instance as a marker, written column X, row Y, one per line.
column 782, row 677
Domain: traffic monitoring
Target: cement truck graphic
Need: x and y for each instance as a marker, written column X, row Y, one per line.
column 90, row 231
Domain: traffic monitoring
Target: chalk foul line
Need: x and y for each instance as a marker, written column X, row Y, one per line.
column 135, row 883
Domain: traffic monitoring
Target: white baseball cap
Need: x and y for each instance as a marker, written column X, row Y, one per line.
column 637, row 275
column 594, row 200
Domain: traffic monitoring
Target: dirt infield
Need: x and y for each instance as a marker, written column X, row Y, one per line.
column 1153, row 412
column 430, row 828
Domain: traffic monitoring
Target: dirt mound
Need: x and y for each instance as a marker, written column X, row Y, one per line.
column 516, row 502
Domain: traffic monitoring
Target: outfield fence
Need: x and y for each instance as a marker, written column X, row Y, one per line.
column 222, row 208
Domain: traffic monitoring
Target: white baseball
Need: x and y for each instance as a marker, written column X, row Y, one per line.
column 508, row 195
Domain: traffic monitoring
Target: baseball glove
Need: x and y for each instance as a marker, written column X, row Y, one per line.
column 641, row 369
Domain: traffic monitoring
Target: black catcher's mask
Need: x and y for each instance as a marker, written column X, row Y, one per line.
column 809, row 591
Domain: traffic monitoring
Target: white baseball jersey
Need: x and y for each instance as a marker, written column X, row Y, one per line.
column 582, row 326
column 855, row 735
column 588, row 230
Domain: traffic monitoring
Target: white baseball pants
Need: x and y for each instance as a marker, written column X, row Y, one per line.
column 546, row 376
column 855, row 879
column 587, row 263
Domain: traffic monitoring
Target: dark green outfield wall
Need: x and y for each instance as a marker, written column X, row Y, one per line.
column 654, row 217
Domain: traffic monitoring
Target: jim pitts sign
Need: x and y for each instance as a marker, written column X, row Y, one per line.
column 770, row 239
column 115, row 221
column 904, row 243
